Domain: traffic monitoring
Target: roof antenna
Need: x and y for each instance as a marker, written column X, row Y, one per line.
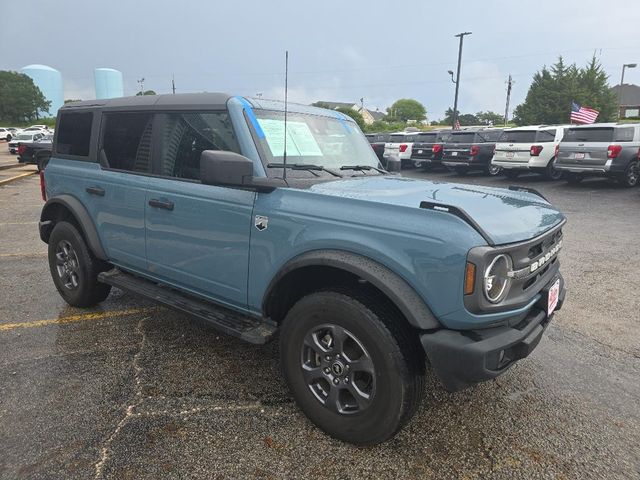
column 286, row 91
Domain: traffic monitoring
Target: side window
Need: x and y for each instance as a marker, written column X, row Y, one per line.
column 74, row 133
column 126, row 141
column 623, row 134
column 546, row 136
column 184, row 136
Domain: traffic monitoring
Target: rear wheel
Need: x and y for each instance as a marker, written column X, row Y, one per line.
column 493, row 170
column 573, row 178
column 551, row 172
column 74, row 268
column 631, row 175
column 512, row 174
column 353, row 366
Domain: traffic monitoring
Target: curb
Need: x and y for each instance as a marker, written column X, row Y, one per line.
column 9, row 180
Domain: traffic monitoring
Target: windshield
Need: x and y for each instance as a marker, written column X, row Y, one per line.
column 24, row 136
column 314, row 140
column 518, row 136
column 588, row 135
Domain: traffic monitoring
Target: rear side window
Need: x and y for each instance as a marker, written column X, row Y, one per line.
column 184, row 136
column 623, row 134
column 546, row 136
column 126, row 141
column 74, row 134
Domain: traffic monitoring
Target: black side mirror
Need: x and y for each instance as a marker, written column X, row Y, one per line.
column 224, row 168
column 231, row 169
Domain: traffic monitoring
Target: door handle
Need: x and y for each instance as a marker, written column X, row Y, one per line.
column 95, row 191
column 166, row 205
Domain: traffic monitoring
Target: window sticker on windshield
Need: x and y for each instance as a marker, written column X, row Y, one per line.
column 300, row 140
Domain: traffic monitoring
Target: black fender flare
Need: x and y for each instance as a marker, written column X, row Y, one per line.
column 82, row 217
column 403, row 295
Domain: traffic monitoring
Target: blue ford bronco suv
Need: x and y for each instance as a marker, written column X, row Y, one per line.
column 263, row 225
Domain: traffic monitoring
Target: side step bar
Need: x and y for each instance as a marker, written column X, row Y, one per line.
column 253, row 330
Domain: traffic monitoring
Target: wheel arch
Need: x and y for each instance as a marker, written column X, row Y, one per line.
column 67, row 207
column 346, row 265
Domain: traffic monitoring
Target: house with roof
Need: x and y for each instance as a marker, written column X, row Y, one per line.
column 629, row 98
column 369, row 116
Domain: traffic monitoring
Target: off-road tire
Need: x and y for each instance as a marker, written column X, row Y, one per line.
column 392, row 346
column 85, row 265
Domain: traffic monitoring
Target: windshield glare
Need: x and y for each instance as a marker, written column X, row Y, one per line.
column 313, row 139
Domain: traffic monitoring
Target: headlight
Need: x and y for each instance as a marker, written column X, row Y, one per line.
column 496, row 278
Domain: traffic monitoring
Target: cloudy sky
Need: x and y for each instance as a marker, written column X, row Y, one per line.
column 339, row 50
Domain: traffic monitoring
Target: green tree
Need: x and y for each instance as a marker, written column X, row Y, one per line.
column 552, row 90
column 146, row 92
column 20, row 99
column 383, row 126
column 488, row 117
column 71, row 100
column 406, row 109
column 357, row 116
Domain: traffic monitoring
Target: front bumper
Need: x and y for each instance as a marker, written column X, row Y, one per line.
column 461, row 358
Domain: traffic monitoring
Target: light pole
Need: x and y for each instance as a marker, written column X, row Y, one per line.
column 457, row 80
column 141, row 83
column 626, row 65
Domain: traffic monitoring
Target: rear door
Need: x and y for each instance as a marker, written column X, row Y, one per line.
column 515, row 146
column 586, row 147
column 197, row 236
column 116, row 193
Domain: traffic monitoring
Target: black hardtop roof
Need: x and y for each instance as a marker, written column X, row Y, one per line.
column 147, row 102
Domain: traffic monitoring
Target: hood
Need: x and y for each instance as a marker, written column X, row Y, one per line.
column 506, row 216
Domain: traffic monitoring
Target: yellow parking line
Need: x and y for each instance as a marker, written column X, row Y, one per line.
column 76, row 318
column 17, row 223
column 17, row 177
column 34, row 254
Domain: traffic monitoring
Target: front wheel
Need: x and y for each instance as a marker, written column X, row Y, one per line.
column 631, row 175
column 353, row 367
column 74, row 268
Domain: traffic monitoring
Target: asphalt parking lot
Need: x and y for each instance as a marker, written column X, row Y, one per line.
column 132, row 390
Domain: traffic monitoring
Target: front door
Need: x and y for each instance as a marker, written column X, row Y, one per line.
column 197, row 236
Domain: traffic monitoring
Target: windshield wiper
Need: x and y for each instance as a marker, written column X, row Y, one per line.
column 304, row 166
column 363, row 168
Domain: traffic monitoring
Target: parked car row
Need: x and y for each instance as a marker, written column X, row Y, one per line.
column 572, row 152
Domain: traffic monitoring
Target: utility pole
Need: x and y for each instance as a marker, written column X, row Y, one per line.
column 626, row 65
column 510, row 83
column 173, row 84
column 457, row 82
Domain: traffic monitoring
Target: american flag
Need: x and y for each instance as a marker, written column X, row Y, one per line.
column 581, row 114
column 457, row 125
